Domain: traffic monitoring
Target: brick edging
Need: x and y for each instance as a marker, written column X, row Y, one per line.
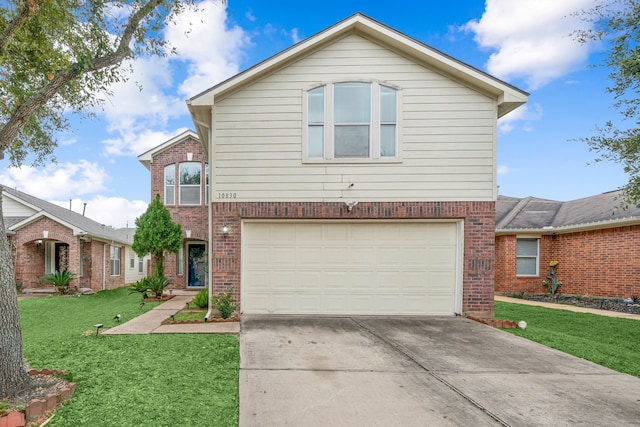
column 37, row 408
column 506, row 324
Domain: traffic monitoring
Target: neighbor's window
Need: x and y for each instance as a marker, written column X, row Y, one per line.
column 170, row 185
column 190, row 181
column 527, row 254
column 132, row 259
column 114, row 264
column 360, row 122
column 140, row 265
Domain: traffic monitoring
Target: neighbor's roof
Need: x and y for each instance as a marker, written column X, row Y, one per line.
column 543, row 216
column 146, row 158
column 80, row 224
column 508, row 97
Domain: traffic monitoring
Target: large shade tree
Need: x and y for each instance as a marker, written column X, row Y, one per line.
column 615, row 24
column 156, row 234
column 56, row 57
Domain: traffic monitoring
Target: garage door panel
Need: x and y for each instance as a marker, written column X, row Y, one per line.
column 349, row 268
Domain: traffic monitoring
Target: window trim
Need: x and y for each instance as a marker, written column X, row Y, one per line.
column 164, row 179
column 376, row 122
column 114, row 261
column 180, row 185
column 536, row 257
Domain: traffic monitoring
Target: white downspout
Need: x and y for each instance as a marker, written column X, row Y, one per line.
column 210, row 225
column 104, row 267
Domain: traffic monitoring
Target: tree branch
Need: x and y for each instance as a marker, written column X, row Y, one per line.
column 29, row 9
column 10, row 129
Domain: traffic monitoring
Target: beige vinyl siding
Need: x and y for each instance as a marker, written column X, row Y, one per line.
column 12, row 208
column 446, row 132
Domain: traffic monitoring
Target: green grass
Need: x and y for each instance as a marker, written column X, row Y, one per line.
column 189, row 316
column 130, row 380
column 607, row 341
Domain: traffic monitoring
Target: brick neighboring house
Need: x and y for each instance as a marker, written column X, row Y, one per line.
column 45, row 237
column 596, row 242
column 354, row 173
column 179, row 173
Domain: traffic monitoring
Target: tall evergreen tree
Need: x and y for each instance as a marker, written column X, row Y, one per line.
column 157, row 234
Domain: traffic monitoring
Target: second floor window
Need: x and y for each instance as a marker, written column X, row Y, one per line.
column 352, row 120
column 190, row 183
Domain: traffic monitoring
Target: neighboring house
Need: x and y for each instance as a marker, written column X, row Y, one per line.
column 595, row 241
column 179, row 173
column 354, row 173
column 45, row 237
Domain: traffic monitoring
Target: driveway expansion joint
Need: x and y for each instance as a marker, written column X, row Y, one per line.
column 405, row 352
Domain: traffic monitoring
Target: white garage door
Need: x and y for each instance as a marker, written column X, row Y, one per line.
column 405, row 268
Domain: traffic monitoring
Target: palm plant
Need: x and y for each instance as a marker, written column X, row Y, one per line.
column 60, row 279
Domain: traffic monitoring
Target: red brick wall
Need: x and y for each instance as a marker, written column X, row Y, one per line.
column 29, row 257
column 479, row 234
column 191, row 218
column 602, row 262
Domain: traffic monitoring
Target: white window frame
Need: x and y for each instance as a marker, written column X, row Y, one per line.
column 536, row 257
column 114, row 260
column 140, row 265
column 375, row 126
column 171, row 167
column 184, row 186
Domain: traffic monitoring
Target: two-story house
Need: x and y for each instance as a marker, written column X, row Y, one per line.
column 354, row 173
column 179, row 173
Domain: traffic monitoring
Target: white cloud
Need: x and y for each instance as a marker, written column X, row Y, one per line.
column 531, row 39
column 62, row 180
column 135, row 140
column 212, row 52
column 522, row 117
column 114, row 211
column 141, row 109
column 503, row 170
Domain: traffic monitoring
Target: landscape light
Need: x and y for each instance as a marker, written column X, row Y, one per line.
column 98, row 326
column 117, row 317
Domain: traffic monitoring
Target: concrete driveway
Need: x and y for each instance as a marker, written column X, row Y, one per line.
column 423, row 371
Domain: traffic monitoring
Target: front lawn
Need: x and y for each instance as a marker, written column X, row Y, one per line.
column 607, row 341
column 130, row 380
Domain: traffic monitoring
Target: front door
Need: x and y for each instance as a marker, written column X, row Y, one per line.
column 197, row 263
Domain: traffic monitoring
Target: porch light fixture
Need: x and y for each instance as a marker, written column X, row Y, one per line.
column 225, row 230
column 350, row 204
column 38, row 244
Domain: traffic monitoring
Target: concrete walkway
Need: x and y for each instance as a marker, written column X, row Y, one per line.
column 568, row 307
column 151, row 322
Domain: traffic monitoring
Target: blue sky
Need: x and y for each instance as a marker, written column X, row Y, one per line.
column 524, row 42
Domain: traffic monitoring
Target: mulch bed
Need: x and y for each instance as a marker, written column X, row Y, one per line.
column 610, row 304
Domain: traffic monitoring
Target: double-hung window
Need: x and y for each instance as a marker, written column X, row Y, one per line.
column 190, row 183
column 170, row 185
column 527, row 255
column 114, row 264
column 352, row 120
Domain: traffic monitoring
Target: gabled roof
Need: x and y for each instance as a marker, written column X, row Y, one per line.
column 80, row 224
column 543, row 216
column 146, row 158
column 508, row 97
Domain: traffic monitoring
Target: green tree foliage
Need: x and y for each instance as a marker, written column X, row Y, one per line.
column 58, row 57
column 615, row 23
column 157, row 234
